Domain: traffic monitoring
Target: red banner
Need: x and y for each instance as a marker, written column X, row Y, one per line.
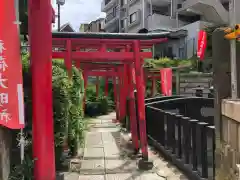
column 202, row 44
column 166, row 81
column 11, row 88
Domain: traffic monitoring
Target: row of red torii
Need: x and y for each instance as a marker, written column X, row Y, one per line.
column 97, row 62
column 120, row 59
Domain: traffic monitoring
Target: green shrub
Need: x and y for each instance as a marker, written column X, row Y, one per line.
column 67, row 110
column 98, row 105
column 166, row 62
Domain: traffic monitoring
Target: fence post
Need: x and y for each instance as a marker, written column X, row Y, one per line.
column 204, row 160
column 168, row 130
column 177, row 74
column 186, row 138
column 173, row 129
column 179, row 125
column 212, row 130
column 193, row 123
column 165, row 130
column 162, row 132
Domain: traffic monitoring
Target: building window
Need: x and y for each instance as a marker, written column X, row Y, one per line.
column 107, row 1
column 133, row 17
column 123, row 2
column 123, row 23
column 99, row 26
column 114, row 11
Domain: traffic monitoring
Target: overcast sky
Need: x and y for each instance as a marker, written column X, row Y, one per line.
column 79, row 11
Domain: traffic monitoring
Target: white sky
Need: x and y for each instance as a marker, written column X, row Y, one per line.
column 77, row 12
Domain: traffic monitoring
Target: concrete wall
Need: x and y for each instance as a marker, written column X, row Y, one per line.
column 229, row 157
column 157, row 21
column 192, row 38
column 134, row 7
column 178, row 47
column 190, row 81
column 212, row 11
column 227, row 119
column 5, row 150
column 183, row 47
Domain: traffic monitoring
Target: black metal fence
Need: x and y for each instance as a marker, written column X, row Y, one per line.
column 182, row 128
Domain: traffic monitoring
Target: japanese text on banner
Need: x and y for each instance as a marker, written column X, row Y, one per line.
column 4, row 115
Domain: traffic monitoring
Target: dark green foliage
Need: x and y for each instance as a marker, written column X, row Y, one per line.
column 101, row 105
column 23, row 16
column 166, row 62
column 98, row 106
column 67, row 110
column 26, row 169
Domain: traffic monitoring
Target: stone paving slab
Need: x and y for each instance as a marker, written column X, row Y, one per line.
column 107, row 137
column 106, row 129
column 93, row 167
column 105, row 157
column 93, row 153
column 91, row 177
column 94, row 139
column 134, row 176
column 95, row 121
column 120, row 166
column 110, row 125
column 71, row 176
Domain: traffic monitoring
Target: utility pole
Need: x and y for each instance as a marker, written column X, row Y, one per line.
column 59, row 17
column 151, row 12
column 233, row 58
column 143, row 13
column 59, row 4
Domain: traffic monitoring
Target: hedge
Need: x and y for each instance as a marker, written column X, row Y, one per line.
column 68, row 115
column 98, row 105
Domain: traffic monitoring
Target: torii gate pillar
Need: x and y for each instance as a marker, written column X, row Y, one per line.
column 40, row 20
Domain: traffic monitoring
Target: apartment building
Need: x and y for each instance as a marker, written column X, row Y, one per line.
column 166, row 15
column 93, row 26
column 83, row 27
column 112, row 10
column 97, row 25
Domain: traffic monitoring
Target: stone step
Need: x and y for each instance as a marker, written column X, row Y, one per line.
column 92, row 167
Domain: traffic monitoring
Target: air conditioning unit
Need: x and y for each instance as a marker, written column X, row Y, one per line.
column 61, row 2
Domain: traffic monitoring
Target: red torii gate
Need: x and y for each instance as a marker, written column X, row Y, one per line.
column 153, row 76
column 41, row 66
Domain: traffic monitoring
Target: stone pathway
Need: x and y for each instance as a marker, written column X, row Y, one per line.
column 105, row 157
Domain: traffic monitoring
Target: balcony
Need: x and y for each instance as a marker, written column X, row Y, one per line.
column 160, row 3
column 111, row 21
column 212, row 11
column 131, row 2
column 108, row 4
column 158, row 21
